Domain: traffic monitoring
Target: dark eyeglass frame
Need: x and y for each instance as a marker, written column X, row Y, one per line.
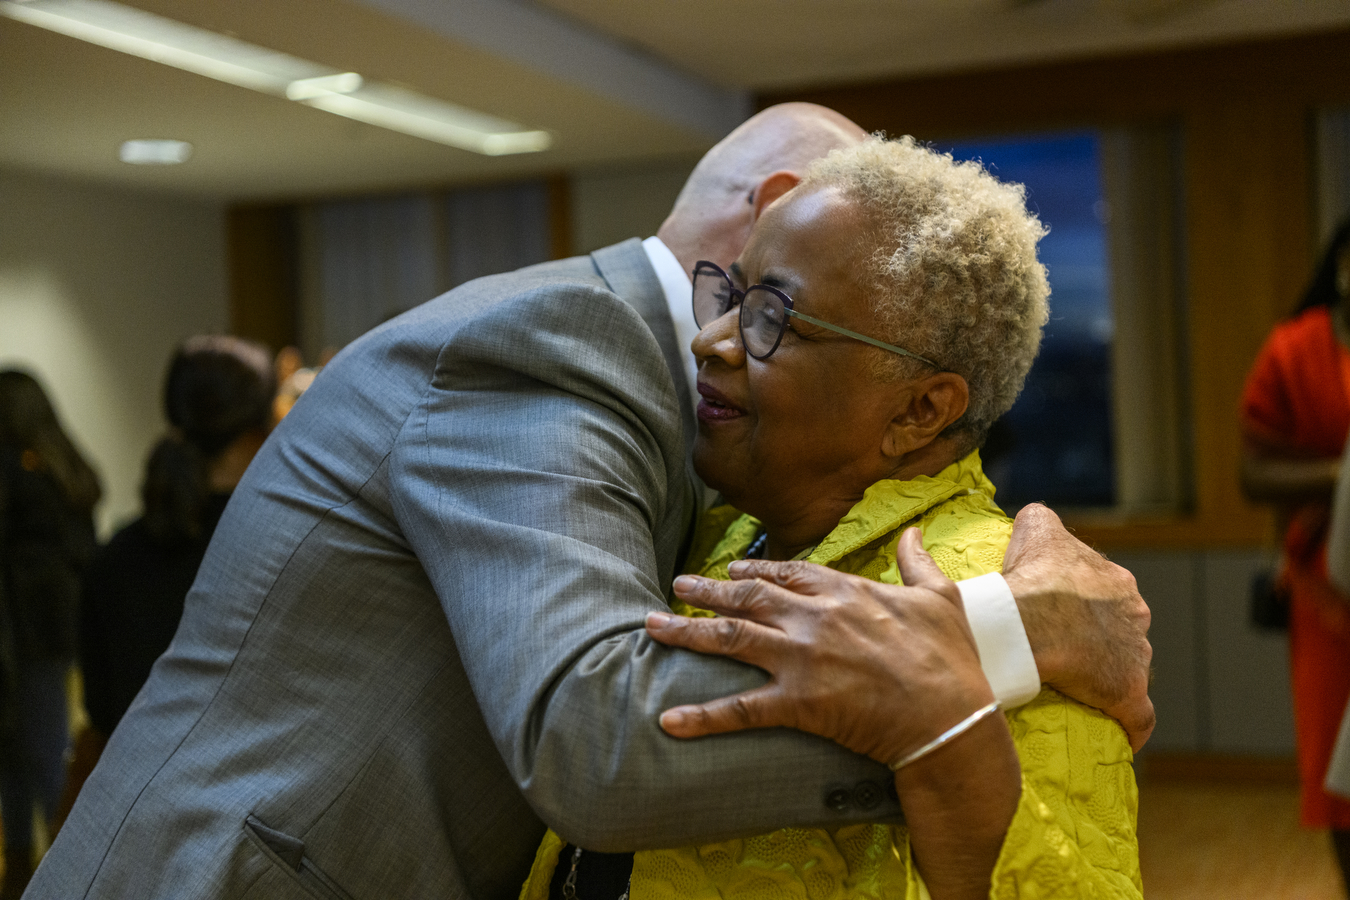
column 736, row 296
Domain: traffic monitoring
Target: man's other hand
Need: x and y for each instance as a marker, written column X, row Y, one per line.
column 1085, row 619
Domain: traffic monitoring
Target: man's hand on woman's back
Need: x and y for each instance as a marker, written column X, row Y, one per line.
column 1085, row 620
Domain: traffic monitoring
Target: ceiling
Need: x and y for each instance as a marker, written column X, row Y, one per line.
column 777, row 44
column 614, row 81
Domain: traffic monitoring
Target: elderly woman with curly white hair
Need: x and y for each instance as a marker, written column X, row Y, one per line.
column 883, row 314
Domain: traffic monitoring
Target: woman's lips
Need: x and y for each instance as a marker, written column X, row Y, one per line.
column 715, row 407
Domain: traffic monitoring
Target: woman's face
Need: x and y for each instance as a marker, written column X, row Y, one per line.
column 784, row 436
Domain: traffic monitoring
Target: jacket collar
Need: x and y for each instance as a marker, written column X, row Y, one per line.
column 630, row 276
column 884, row 508
column 887, row 505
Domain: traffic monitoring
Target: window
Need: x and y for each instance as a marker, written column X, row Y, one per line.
column 1099, row 422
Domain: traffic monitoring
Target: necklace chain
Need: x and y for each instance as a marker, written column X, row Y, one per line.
column 569, row 888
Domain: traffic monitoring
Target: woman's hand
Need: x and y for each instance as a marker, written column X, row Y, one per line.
column 879, row 669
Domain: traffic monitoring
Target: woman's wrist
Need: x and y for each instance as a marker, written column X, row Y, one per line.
column 958, row 801
column 947, row 736
column 953, row 701
column 967, row 771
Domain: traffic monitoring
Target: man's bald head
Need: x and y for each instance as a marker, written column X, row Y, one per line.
column 749, row 168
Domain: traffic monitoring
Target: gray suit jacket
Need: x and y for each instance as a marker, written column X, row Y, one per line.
column 418, row 630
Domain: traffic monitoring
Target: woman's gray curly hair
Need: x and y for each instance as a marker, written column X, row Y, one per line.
column 954, row 275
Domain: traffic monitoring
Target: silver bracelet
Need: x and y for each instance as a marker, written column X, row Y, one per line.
column 956, row 730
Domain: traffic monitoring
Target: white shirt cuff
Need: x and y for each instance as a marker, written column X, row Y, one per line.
column 1001, row 639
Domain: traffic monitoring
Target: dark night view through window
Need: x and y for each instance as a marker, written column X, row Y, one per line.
column 1055, row 444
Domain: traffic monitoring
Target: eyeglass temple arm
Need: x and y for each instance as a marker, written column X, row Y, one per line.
column 861, row 337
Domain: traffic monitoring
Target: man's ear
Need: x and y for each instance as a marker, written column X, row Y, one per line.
column 934, row 403
column 771, row 188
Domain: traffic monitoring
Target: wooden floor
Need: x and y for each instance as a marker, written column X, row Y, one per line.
column 1227, row 838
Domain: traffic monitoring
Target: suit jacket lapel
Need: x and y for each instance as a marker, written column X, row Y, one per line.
column 629, row 273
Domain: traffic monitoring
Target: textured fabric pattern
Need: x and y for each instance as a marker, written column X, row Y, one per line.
column 1073, row 832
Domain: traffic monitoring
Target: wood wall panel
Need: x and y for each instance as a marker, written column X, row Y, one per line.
column 1248, row 215
column 1244, row 111
column 1308, row 70
column 263, row 258
column 561, row 242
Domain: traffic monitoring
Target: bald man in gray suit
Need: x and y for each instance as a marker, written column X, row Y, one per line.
column 418, row 632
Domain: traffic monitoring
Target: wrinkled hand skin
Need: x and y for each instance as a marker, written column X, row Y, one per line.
column 1087, row 623
column 878, row 668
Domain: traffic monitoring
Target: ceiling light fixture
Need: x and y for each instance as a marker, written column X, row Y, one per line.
column 154, row 152
column 309, row 88
column 247, row 65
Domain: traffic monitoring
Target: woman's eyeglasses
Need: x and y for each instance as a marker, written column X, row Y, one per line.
column 764, row 313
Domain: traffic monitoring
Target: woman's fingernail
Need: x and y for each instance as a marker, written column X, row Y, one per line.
column 736, row 567
column 685, row 583
column 658, row 619
column 672, row 719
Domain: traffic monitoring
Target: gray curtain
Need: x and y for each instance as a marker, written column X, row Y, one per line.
column 367, row 260
column 497, row 229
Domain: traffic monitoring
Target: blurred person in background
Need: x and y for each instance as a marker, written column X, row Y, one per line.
column 293, row 379
column 218, row 397
column 1295, row 418
column 46, row 539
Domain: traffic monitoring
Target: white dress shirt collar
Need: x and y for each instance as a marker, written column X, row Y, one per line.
column 679, row 291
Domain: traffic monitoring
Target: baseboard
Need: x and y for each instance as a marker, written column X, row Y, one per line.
column 1164, row 766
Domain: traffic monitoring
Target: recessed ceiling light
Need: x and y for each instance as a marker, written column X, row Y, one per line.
column 154, row 152
column 247, row 65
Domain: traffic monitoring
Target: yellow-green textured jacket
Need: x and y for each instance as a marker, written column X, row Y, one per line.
column 1073, row 834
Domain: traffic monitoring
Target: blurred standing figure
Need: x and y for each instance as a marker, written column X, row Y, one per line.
column 293, row 379
column 1295, row 419
column 218, row 399
column 46, row 538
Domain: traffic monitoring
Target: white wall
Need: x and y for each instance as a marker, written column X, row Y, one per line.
column 96, row 288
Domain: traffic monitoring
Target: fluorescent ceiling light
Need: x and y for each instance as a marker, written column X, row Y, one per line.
column 154, row 152
column 239, row 63
column 309, row 88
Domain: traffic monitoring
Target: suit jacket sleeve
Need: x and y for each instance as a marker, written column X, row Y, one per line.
column 542, row 483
